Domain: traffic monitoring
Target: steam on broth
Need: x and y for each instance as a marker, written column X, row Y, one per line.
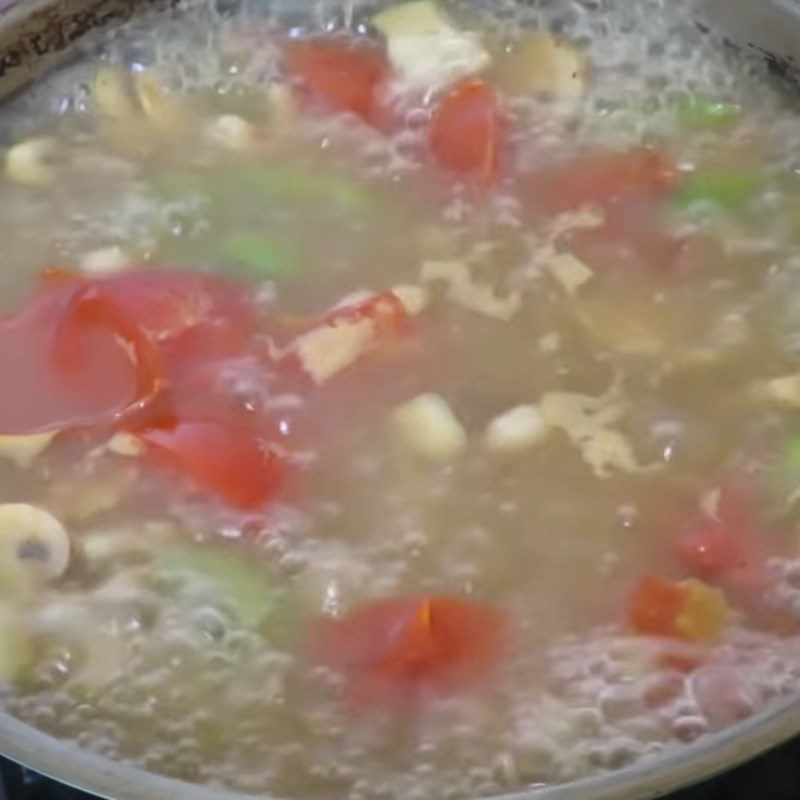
column 400, row 401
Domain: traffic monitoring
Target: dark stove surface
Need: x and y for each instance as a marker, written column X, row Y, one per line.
column 774, row 776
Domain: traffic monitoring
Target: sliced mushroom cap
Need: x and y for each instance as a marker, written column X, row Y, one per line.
column 136, row 110
column 33, row 544
column 164, row 111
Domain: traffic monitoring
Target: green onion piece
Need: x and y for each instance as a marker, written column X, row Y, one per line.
column 704, row 113
column 784, row 479
column 259, row 255
column 268, row 183
column 205, row 574
column 728, row 190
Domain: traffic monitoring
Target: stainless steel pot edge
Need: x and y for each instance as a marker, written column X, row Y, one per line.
column 38, row 35
column 769, row 29
column 645, row 780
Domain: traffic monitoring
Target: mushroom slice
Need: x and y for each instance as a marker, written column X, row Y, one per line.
column 163, row 110
column 33, row 543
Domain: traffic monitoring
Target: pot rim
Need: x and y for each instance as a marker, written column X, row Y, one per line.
column 648, row 778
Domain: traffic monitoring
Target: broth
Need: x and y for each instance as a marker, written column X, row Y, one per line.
column 402, row 403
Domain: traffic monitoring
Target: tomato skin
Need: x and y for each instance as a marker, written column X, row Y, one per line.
column 730, row 550
column 224, row 459
column 654, row 605
column 629, row 189
column 73, row 358
column 397, row 649
column 598, row 179
column 689, row 609
column 191, row 317
column 710, row 549
column 630, row 235
column 343, row 76
column 726, row 548
column 467, row 132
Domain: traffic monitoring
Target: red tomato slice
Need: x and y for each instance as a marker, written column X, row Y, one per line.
column 600, row 178
column 344, row 76
column 191, row 317
column 392, row 648
column 72, row 358
column 631, row 235
column 467, row 131
column 727, row 549
column 654, row 606
column 220, row 458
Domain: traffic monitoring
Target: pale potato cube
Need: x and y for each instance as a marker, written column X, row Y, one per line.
column 428, row 427
column 516, row 430
column 327, row 350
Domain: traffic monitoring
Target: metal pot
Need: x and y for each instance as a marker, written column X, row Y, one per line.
column 36, row 36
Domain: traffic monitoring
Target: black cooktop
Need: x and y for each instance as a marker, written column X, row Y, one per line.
column 774, row 776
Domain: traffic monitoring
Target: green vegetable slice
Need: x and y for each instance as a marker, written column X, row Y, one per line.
column 206, row 574
column 701, row 113
column 727, row 189
column 260, row 256
column 784, row 479
column 268, row 182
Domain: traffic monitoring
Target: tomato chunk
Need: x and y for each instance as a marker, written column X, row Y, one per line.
column 73, row 358
column 653, row 606
column 224, row 459
column 631, row 234
column 191, row 317
column 394, row 648
column 601, row 178
column 726, row 549
column 344, row 76
column 467, row 131
column 687, row 609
